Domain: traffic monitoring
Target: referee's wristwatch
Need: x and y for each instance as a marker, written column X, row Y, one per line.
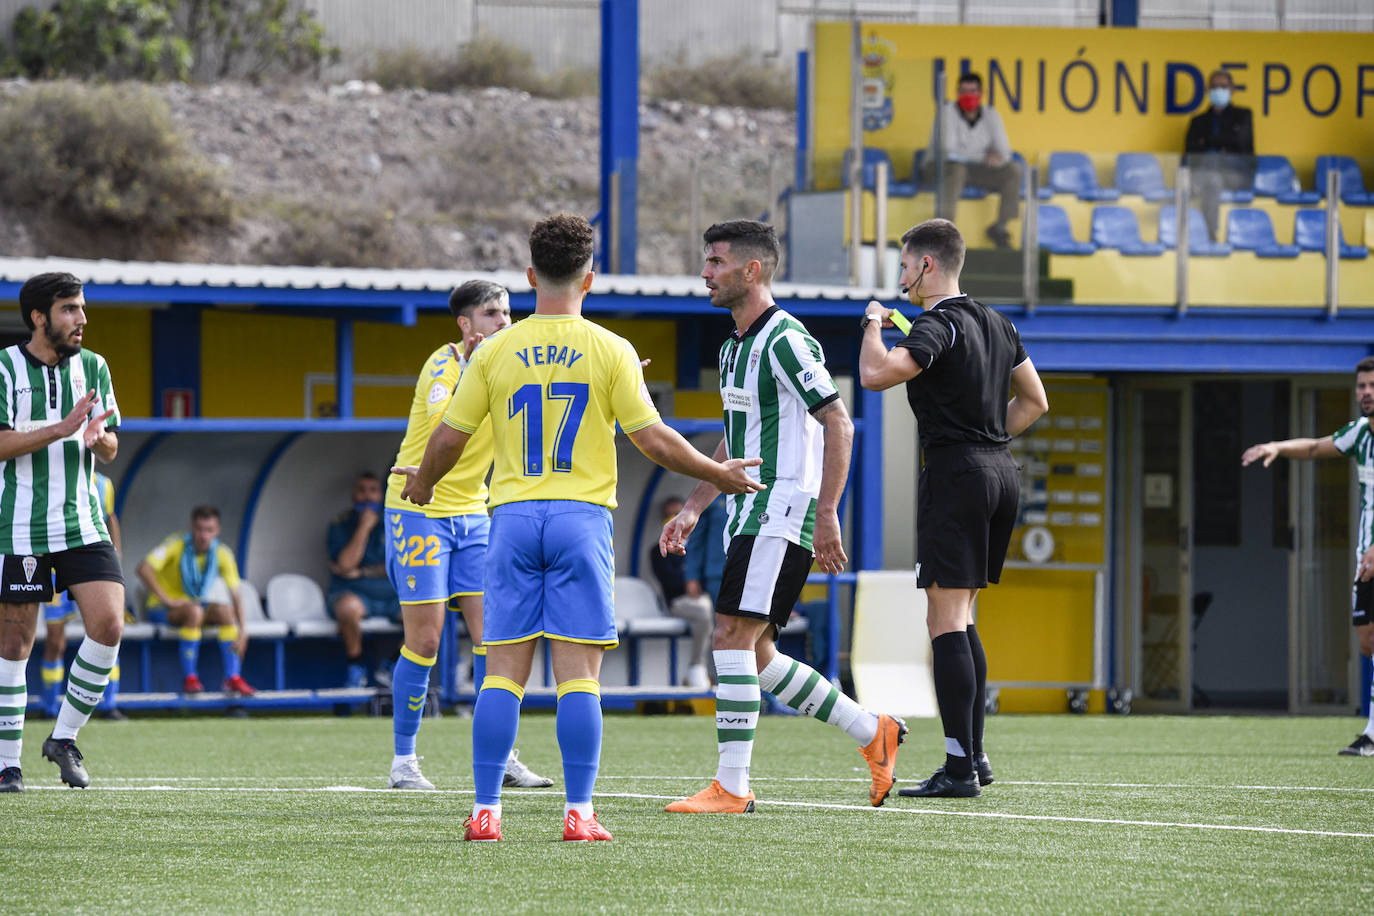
column 863, row 322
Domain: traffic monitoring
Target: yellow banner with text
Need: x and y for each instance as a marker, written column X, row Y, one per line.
column 1095, row 90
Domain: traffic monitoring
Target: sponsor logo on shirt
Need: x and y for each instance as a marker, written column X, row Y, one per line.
column 809, row 378
column 737, row 398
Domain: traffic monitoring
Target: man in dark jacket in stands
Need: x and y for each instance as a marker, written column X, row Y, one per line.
column 1220, row 148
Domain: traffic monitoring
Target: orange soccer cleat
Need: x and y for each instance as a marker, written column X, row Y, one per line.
column 483, row 827
column 714, row 800
column 577, row 830
column 881, row 754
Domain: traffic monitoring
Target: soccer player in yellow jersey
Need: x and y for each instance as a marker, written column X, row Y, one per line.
column 192, row 580
column 554, row 386
column 435, row 555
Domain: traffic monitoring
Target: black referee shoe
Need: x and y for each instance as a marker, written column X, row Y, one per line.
column 942, row 785
column 11, row 780
column 983, row 768
column 68, row 759
column 1362, row 746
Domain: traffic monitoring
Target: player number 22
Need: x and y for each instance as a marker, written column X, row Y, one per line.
column 529, row 400
column 416, row 555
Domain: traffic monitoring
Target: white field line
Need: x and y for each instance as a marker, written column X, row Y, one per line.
column 603, row 777
column 827, row 806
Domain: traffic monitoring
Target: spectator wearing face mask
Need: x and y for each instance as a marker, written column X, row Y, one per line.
column 976, row 152
column 1220, row 148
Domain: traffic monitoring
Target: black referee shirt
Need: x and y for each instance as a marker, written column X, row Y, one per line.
column 966, row 352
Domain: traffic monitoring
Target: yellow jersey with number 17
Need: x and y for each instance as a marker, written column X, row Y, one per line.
column 463, row 490
column 554, row 387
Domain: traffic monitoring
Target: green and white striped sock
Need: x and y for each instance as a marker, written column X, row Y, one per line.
column 86, row 680
column 14, row 697
column 802, row 687
column 737, row 715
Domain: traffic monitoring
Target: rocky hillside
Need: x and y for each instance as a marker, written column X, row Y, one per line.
column 350, row 174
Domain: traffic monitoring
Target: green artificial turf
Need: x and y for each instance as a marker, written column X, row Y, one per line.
column 1089, row 814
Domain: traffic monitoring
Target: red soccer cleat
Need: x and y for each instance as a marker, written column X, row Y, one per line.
column 192, row 684
column 483, row 827
column 237, row 684
column 576, row 830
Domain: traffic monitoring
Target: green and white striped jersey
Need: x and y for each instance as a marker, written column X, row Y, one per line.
column 771, row 378
column 48, row 499
column 1356, row 440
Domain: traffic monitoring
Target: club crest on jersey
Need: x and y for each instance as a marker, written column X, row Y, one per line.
column 763, row 519
column 30, row 565
column 754, row 359
column 410, row 583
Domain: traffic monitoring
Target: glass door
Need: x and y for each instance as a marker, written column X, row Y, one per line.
column 1160, row 538
column 1322, row 500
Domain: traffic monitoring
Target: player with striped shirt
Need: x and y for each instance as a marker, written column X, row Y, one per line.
column 1353, row 440
column 780, row 404
column 554, row 386
column 57, row 415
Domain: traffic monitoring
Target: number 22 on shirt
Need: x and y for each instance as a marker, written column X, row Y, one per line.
column 528, row 403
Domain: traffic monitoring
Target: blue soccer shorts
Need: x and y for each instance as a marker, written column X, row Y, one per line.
column 554, row 574
column 434, row 559
column 61, row 610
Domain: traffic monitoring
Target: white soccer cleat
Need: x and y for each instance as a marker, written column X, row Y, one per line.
column 406, row 775
column 698, row 678
column 520, row 776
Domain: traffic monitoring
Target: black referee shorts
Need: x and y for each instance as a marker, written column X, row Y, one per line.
column 966, row 508
column 29, row 579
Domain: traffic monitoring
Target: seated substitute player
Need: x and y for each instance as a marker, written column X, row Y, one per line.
column 776, row 392
column 1353, row 440
column 358, row 584
column 958, row 361
column 192, row 580
column 62, row 609
column 435, row 556
column 57, row 416
column 554, row 387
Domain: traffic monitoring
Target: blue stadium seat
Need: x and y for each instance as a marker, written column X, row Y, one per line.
column 1140, row 173
column 1056, row 234
column 872, row 156
column 1073, row 173
column 1352, row 182
column 1275, row 177
column 1309, row 232
column 1248, row 229
column 1199, row 243
column 1116, row 227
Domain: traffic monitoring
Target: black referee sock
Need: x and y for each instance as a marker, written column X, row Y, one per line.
column 980, row 696
column 955, row 687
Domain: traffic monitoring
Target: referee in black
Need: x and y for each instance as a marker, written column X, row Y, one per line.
column 958, row 362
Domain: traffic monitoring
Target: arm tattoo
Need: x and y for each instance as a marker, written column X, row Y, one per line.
column 828, row 409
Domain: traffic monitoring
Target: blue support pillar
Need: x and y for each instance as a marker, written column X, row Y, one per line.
column 343, row 367
column 619, row 131
column 176, row 361
column 1126, row 13
column 868, row 533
